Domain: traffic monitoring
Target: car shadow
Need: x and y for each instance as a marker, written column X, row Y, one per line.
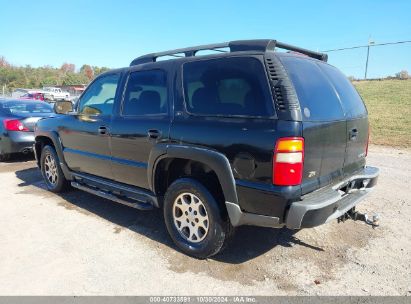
column 247, row 243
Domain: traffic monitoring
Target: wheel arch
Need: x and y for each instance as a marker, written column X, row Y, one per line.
column 51, row 138
column 216, row 161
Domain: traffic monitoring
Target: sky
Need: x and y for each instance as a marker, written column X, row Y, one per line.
column 112, row 33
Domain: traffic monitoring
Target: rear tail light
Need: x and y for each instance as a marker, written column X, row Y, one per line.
column 14, row 125
column 288, row 161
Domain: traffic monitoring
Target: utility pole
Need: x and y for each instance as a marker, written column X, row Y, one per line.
column 370, row 42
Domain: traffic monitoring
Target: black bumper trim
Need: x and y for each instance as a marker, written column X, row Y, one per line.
column 239, row 218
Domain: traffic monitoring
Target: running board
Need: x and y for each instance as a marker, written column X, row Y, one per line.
column 131, row 203
column 135, row 194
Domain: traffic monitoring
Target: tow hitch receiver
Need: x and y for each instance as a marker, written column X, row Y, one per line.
column 356, row 216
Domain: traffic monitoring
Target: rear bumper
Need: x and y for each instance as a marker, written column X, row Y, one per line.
column 331, row 202
column 15, row 142
column 315, row 208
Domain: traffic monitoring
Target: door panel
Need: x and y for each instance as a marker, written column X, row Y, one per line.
column 85, row 135
column 131, row 146
column 85, row 150
column 142, row 122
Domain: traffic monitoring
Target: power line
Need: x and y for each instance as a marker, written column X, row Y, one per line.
column 365, row 46
column 370, row 44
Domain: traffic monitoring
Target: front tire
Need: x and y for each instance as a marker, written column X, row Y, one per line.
column 194, row 219
column 51, row 170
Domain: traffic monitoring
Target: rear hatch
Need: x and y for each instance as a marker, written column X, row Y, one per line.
column 334, row 120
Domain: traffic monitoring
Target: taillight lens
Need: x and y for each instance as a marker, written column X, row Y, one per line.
column 14, row 125
column 288, row 161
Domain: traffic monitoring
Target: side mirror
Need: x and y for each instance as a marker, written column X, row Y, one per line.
column 63, row 107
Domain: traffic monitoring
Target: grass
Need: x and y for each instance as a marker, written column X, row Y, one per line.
column 389, row 108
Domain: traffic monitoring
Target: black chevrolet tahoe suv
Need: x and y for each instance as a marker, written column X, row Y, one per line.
column 252, row 132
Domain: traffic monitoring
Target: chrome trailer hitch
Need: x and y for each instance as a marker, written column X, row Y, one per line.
column 373, row 220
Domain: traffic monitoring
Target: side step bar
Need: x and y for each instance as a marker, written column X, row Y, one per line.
column 120, row 190
column 131, row 203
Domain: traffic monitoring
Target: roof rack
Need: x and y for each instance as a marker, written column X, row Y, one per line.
column 235, row 46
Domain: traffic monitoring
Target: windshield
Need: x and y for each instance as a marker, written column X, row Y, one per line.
column 22, row 107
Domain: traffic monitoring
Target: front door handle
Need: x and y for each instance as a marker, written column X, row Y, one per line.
column 153, row 134
column 102, row 130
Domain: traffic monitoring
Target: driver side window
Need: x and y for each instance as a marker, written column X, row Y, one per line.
column 98, row 99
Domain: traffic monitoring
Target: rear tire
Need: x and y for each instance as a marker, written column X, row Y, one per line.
column 194, row 219
column 51, row 170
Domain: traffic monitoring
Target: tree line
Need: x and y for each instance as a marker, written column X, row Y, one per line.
column 12, row 77
column 401, row 75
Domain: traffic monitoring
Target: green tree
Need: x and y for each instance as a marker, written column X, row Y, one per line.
column 73, row 79
column 98, row 70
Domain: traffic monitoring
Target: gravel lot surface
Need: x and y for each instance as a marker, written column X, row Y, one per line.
column 80, row 244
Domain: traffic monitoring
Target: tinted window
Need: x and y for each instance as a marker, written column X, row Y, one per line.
column 23, row 107
column 350, row 99
column 318, row 99
column 98, row 99
column 146, row 93
column 228, row 86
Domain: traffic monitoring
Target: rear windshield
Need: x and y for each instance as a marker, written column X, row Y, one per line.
column 227, row 87
column 350, row 99
column 318, row 99
column 23, row 107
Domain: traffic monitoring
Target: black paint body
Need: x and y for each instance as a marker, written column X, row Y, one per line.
column 127, row 154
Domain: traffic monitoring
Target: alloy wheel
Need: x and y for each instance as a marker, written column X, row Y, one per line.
column 190, row 217
column 50, row 169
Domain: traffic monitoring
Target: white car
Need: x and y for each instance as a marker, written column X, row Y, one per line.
column 52, row 93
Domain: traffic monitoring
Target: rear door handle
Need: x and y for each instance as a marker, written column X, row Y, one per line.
column 153, row 134
column 353, row 134
column 102, row 130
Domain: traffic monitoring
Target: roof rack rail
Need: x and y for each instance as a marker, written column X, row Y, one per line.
column 234, row 46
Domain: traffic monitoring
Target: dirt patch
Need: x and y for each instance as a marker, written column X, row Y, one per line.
column 117, row 229
column 314, row 254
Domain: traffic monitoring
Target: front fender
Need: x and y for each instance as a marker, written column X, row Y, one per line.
column 55, row 139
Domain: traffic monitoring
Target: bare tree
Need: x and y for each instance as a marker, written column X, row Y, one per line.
column 68, row 67
column 402, row 75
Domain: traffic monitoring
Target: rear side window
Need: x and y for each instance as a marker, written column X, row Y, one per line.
column 350, row 99
column 318, row 99
column 25, row 107
column 146, row 93
column 227, row 87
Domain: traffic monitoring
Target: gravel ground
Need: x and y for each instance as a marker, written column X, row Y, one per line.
column 80, row 244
